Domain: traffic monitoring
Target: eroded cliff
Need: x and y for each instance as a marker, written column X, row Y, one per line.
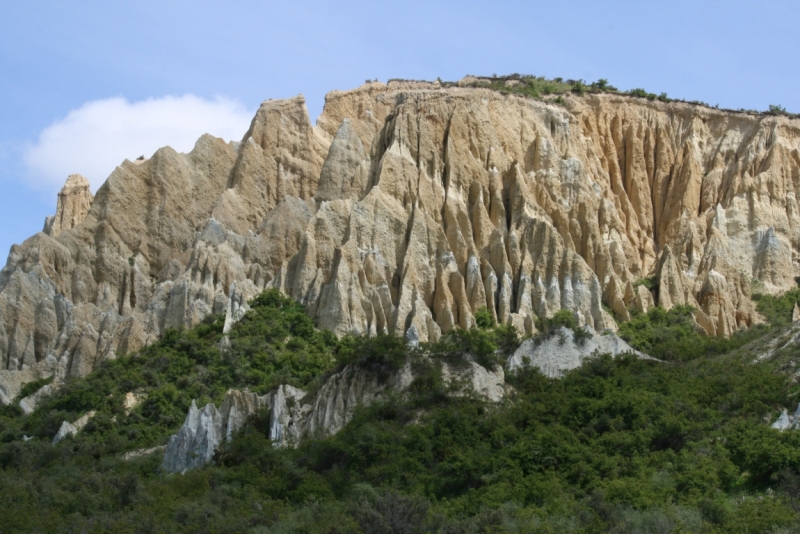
column 408, row 205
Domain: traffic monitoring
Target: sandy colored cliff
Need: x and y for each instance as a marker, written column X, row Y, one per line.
column 410, row 204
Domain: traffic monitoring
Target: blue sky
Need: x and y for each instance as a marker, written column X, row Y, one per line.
column 88, row 82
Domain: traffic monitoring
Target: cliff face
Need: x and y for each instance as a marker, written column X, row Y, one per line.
column 413, row 205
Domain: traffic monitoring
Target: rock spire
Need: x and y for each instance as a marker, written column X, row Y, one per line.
column 74, row 202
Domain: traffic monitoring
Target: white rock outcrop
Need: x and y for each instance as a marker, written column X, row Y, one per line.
column 294, row 416
column 72, row 429
column 29, row 403
column 561, row 352
column 203, row 430
column 12, row 380
column 788, row 422
column 138, row 453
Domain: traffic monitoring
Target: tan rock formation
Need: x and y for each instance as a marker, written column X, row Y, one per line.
column 74, row 202
column 412, row 205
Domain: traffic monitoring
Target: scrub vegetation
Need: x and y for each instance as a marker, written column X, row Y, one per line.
column 618, row 445
column 540, row 87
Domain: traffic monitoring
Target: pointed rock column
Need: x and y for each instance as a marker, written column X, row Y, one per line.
column 74, row 202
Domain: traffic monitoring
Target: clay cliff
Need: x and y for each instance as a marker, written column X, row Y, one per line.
column 412, row 205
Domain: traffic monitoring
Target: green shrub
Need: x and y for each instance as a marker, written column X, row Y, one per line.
column 651, row 283
column 458, row 344
column 563, row 318
column 777, row 310
column 32, row 387
column 274, row 343
column 581, row 335
column 641, row 93
column 617, row 445
column 673, row 335
column 382, row 353
column 603, row 85
column 488, row 346
column 484, row 318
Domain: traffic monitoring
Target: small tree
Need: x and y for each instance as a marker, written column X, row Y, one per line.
column 484, row 318
column 563, row 318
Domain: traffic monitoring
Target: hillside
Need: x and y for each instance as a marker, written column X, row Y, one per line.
column 619, row 444
column 410, row 205
column 495, row 305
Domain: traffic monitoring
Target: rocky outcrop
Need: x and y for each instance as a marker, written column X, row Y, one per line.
column 562, row 351
column 72, row 429
column 132, row 400
column 786, row 421
column 12, row 380
column 203, row 430
column 74, row 202
column 293, row 415
column 411, row 205
column 138, row 453
column 29, row 403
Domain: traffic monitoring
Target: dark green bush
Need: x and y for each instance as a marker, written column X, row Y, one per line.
column 382, row 353
column 603, row 85
column 650, row 283
column 563, row 318
column 484, row 318
column 581, row 335
column 32, row 387
column 488, row 347
column 777, row 310
column 617, row 445
column 673, row 335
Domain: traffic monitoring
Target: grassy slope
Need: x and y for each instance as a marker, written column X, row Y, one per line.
column 621, row 445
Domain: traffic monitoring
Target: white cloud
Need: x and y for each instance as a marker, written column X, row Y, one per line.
column 95, row 138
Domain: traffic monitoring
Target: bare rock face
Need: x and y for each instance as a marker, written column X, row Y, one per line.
column 29, row 403
column 203, row 430
column 71, row 429
column 410, row 205
column 563, row 352
column 74, row 202
column 786, row 421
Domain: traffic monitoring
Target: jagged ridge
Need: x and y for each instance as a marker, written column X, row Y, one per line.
column 408, row 205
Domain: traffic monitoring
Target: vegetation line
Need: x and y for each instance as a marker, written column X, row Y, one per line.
column 617, row 445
